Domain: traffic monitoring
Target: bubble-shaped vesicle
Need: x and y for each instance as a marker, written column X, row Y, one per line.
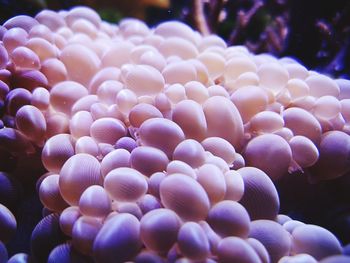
column 73, row 180
column 185, row 196
column 166, row 145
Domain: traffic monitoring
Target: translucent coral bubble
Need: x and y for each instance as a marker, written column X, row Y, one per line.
column 189, row 115
column 334, row 150
column 80, row 123
column 302, row 122
column 249, row 100
column 260, row 196
column 125, row 184
column 108, row 91
column 115, row 159
column 161, row 133
column 86, row 144
column 291, row 225
column 266, row 122
column 196, row 91
column 56, row 151
column 67, row 219
column 234, row 249
column 273, row 76
column 273, row 236
column 297, row 88
column 229, row 126
column 84, row 103
column 265, row 149
column 211, row 41
column 326, row 107
column 59, row 41
column 159, row 229
column 24, row 58
column 118, row 240
column 217, row 90
column 126, row 143
column 3, row 57
column 66, row 33
column 31, row 122
column 154, row 59
column 175, row 29
column 315, row 241
column 132, row 26
column 259, row 249
column 229, row 218
column 234, row 185
column 344, row 88
column 117, row 55
column 107, row 130
column 175, row 92
column 296, row 71
column 85, row 27
column 42, row 48
column 214, row 63
column 41, row 31
column 193, row 242
column 220, row 147
column 64, row 94
column 8, row 224
column 84, row 232
column 213, row 181
column 217, row 161
column 110, row 75
column 30, row 79
column 238, row 65
column 40, row 98
column 179, row 72
column 81, row 63
column 321, row 85
column 175, row 46
column 148, row 203
column 345, row 109
column 144, row 80
column 141, row 112
column 191, row 152
column 82, row 12
column 79, row 172
column 163, row 104
column 56, row 123
column 21, row 21
column 304, row 151
column 49, row 194
column 154, row 182
column 148, row 160
column 193, row 204
column 14, row 37
column 126, row 99
column 177, row 166
column 201, row 71
column 51, row 19
column 98, row 110
column 95, row 202
column 246, row 79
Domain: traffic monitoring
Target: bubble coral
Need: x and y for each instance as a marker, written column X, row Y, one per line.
column 161, row 144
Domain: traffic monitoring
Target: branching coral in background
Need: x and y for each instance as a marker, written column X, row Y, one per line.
column 281, row 27
column 260, row 25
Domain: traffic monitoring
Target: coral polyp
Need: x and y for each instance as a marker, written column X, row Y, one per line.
column 161, row 144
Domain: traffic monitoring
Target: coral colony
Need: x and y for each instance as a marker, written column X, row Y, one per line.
column 161, row 144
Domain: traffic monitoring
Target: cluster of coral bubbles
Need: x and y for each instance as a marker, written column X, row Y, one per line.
column 163, row 145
